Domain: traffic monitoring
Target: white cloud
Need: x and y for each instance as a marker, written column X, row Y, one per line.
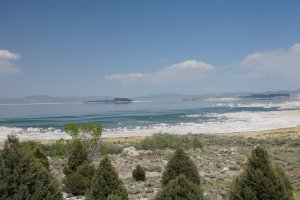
column 184, row 71
column 280, row 62
column 6, row 55
column 6, row 65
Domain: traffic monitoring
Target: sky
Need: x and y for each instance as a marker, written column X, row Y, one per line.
column 132, row 48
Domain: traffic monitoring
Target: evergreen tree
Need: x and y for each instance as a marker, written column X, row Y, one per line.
column 77, row 156
column 41, row 156
column 180, row 163
column 286, row 181
column 106, row 182
column 180, row 188
column 80, row 181
column 261, row 180
column 22, row 177
column 139, row 173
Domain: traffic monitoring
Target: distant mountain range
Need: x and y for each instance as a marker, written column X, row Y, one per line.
column 152, row 97
column 50, row 99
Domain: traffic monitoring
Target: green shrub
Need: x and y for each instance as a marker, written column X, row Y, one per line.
column 139, row 173
column 180, row 188
column 106, row 149
column 86, row 169
column 165, row 141
column 106, row 182
column 180, row 163
column 41, row 157
column 261, row 180
column 60, row 148
column 80, row 181
column 77, row 156
column 30, row 146
column 76, row 184
column 22, row 177
column 37, row 151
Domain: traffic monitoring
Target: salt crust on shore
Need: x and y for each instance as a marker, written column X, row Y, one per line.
column 226, row 123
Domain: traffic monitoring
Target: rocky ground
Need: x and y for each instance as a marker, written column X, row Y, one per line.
column 219, row 162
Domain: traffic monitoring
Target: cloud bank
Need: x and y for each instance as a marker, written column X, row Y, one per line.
column 281, row 62
column 184, row 71
column 7, row 67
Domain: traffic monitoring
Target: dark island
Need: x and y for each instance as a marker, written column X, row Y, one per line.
column 115, row 101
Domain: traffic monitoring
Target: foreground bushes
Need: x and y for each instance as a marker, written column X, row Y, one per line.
column 262, row 180
column 139, row 173
column 179, row 164
column 165, row 141
column 180, row 179
column 77, row 156
column 106, row 183
column 180, row 188
column 23, row 177
column 80, row 181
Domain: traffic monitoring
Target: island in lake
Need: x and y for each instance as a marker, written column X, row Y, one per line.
column 115, row 100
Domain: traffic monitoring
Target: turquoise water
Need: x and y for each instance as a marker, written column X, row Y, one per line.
column 114, row 115
column 155, row 116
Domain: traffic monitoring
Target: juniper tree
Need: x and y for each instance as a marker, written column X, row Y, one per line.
column 23, row 177
column 80, row 181
column 139, row 174
column 180, row 188
column 77, row 156
column 106, row 182
column 180, row 163
column 261, row 180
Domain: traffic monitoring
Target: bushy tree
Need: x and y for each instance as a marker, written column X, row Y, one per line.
column 60, row 148
column 89, row 133
column 39, row 154
column 261, row 180
column 180, row 163
column 180, row 188
column 139, row 173
column 106, row 182
column 77, row 156
column 22, row 177
column 80, row 181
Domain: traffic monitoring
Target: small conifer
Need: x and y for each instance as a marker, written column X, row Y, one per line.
column 22, row 177
column 180, row 163
column 106, row 182
column 139, row 173
column 77, row 156
column 261, row 180
column 180, row 188
column 80, row 181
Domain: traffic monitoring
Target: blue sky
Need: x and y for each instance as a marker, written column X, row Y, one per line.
column 129, row 48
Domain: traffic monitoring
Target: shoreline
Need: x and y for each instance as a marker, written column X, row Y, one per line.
column 290, row 132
